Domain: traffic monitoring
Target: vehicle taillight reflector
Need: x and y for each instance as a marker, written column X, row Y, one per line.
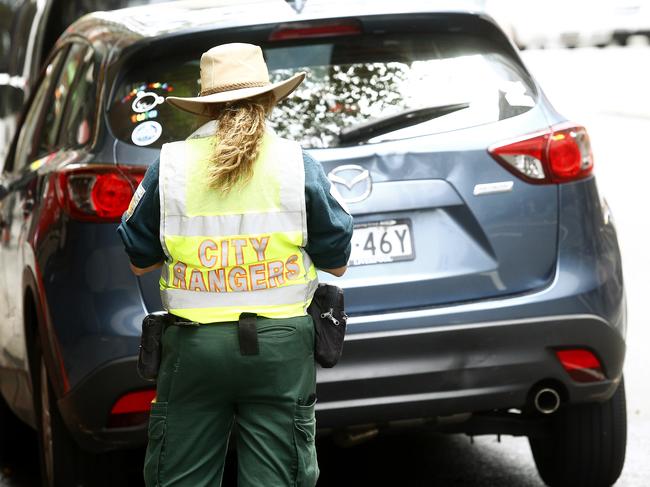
column 131, row 409
column 559, row 155
column 134, row 402
column 308, row 30
column 100, row 193
column 581, row 365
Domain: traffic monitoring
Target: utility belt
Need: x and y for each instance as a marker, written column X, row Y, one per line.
column 326, row 309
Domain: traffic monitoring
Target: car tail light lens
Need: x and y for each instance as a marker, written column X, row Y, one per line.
column 305, row 30
column 131, row 409
column 559, row 155
column 101, row 193
column 581, row 365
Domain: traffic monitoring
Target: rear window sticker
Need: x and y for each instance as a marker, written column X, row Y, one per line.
column 141, row 117
column 146, row 133
column 145, row 101
column 137, row 196
column 152, row 86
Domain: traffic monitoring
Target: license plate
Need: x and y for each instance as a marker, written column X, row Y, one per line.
column 381, row 242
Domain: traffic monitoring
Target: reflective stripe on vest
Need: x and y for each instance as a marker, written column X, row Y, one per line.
column 239, row 252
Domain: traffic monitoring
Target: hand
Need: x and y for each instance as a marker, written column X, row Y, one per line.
column 338, row 272
column 139, row 271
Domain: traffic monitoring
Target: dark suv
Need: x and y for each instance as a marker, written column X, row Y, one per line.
column 485, row 288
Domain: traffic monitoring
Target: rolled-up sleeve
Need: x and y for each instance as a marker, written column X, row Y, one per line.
column 329, row 225
column 140, row 227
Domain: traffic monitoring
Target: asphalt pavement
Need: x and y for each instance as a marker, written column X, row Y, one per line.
column 608, row 91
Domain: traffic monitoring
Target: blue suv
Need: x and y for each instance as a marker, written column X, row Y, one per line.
column 485, row 289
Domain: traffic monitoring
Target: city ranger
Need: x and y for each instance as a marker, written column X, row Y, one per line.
column 238, row 220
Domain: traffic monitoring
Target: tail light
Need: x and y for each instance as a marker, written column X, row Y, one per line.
column 131, row 409
column 581, row 365
column 98, row 193
column 559, row 155
column 306, row 30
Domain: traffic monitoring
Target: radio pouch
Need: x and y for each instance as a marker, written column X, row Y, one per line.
column 327, row 311
column 150, row 352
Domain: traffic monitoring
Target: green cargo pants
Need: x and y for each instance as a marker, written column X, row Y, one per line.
column 205, row 384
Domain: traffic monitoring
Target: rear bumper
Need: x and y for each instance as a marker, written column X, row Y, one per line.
column 86, row 409
column 411, row 373
column 434, row 371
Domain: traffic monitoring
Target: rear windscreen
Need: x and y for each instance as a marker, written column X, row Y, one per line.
column 351, row 82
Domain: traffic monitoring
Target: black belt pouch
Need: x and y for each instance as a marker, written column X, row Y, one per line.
column 327, row 311
column 150, row 352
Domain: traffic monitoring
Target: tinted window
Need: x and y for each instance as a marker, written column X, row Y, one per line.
column 60, row 96
column 77, row 123
column 350, row 81
column 31, row 140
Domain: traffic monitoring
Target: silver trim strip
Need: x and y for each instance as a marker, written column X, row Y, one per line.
column 436, row 329
column 490, row 188
column 404, row 398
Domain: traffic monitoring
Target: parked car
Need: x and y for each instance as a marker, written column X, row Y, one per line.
column 28, row 30
column 20, row 54
column 485, row 290
column 629, row 18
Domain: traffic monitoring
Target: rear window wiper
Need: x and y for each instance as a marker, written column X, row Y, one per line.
column 383, row 125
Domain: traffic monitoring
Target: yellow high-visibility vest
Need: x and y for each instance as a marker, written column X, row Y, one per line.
column 237, row 252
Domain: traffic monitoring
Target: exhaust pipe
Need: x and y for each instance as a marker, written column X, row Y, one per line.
column 547, row 400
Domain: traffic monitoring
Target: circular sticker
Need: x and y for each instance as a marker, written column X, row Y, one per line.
column 145, row 101
column 146, row 133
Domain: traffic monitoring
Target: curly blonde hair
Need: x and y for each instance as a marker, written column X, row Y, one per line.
column 239, row 131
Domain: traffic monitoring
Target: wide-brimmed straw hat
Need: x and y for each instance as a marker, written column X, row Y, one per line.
column 232, row 72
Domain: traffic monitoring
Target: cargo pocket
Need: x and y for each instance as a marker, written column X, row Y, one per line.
column 305, row 440
column 156, row 445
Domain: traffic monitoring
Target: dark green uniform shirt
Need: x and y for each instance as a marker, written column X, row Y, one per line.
column 329, row 226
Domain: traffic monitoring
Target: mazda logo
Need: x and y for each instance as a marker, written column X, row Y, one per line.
column 353, row 182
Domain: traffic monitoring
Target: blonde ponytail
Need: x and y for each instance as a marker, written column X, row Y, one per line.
column 239, row 132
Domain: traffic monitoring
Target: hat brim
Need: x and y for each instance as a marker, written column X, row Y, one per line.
column 199, row 105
